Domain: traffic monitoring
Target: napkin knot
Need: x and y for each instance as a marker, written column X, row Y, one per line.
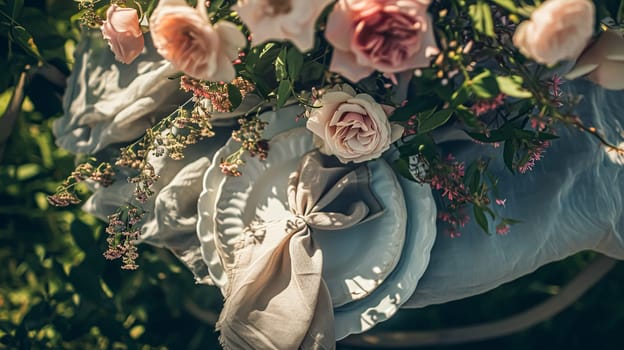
column 276, row 296
column 296, row 224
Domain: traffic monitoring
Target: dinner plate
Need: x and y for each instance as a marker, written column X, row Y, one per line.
column 360, row 316
column 355, row 260
column 278, row 121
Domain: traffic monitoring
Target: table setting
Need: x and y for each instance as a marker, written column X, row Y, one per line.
column 321, row 195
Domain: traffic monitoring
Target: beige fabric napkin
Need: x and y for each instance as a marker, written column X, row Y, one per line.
column 276, row 298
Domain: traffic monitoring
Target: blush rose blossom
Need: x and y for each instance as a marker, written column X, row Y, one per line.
column 603, row 61
column 185, row 37
column 389, row 36
column 122, row 32
column 558, row 30
column 352, row 127
column 292, row 20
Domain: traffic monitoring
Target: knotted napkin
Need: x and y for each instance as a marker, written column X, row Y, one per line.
column 276, row 297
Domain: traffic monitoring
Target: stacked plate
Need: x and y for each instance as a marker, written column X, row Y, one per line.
column 370, row 269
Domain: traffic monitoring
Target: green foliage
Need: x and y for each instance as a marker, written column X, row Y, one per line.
column 56, row 289
column 33, row 31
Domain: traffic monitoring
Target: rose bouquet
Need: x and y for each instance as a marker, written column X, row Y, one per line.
column 369, row 77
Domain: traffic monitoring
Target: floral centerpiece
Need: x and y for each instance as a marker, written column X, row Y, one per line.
column 371, row 77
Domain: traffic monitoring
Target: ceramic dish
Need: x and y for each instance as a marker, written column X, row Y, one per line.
column 361, row 315
column 278, row 121
column 384, row 302
column 355, row 260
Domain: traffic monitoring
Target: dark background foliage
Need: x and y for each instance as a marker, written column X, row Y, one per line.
column 58, row 292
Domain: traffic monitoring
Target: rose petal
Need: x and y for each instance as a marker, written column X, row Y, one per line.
column 122, row 32
column 343, row 63
column 231, row 38
column 185, row 37
column 124, row 19
column 396, row 132
column 338, row 30
column 557, row 30
column 354, row 130
column 296, row 25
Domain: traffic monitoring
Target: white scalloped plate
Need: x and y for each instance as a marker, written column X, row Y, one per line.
column 278, row 121
column 360, row 316
column 356, row 260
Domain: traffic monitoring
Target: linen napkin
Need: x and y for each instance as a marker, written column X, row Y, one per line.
column 276, row 298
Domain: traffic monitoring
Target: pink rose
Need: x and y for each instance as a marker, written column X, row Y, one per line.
column 385, row 35
column 557, row 30
column 281, row 20
column 350, row 126
column 122, row 31
column 603, row 61
column 186, row 38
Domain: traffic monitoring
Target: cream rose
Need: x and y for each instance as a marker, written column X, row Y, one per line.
column 558, row 30
column 389, row 36
column 352, row 127
column 122, row 32
column 186, row 38
column 603, row 61
column 292, row 20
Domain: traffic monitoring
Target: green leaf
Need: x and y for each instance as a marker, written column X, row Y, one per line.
column 510, row 6
column 473, row 177
column 484, row 85
column 510, row 221
column 266, row 49
column 420, row 144
column 546, row 136
column 402, row 167
column 234, row 96
column 460, row 96
column 506, row 132
column 312, row 71
column 509, row 152
column 438, row 118
column 16, row 8
column 512, row 86
column 152, row 5
column 25, row 40
column 480, row 218
column 294, row 63
column 485, row 138
column 283, row 92
column 215, row 5
column 482, row 18
column 464, row 114
column 281, row 73
column 414, row 106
